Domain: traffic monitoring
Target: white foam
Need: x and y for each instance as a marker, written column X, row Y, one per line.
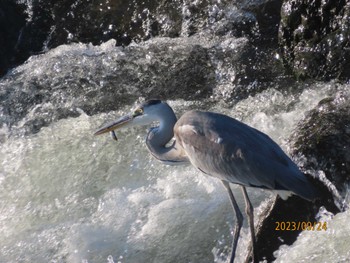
column 318, row 246
column 67, row 195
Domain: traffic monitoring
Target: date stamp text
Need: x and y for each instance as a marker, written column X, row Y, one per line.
column 300, row 225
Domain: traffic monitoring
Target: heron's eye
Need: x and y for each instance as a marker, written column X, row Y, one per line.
column 138, row 112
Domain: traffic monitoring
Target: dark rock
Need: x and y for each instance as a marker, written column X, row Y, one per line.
column 323, row 139
column 11, row 23
column 47, row 24
column 268, row 16
column 94, row 79
column 268, row 238
column 314, row 37
column 43, row 24
column 53, row 23
column 103, row 78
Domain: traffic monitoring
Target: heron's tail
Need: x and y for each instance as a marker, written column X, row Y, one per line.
column 298, row 183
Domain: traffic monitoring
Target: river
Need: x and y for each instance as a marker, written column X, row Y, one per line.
column 69, row 196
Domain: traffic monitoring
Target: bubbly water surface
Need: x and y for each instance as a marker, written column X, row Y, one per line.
column 68, row 196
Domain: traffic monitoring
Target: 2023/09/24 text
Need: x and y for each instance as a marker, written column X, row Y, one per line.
column 300, row 225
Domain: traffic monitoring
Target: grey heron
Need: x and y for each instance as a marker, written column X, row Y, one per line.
column 222, row 147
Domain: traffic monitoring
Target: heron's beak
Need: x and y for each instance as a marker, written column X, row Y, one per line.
column 123, row 121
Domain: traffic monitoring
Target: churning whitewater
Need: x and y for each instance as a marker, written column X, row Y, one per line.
column 68, row 196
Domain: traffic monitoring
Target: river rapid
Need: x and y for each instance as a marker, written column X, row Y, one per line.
column 69, row 196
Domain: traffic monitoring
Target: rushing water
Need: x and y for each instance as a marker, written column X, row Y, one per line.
column 331, row 245
column 67, row 196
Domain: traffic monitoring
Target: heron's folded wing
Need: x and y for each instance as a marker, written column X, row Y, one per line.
column 242, row 155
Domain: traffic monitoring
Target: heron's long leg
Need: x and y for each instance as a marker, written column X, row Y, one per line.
column 250, row 213
column 239, row 220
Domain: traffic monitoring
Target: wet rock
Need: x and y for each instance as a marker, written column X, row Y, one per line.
column 268, row 238
column 323, row 139
column 95, row 79
column 210, row 63
column 47, row 24
column 314, row 36
column 104, row 78
column 267, row 15
column 322, row 142
column 68, row 21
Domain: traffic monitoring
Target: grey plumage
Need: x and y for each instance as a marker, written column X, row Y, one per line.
column 223, row 147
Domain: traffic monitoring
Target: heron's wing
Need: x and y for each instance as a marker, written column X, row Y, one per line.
column 230, row 150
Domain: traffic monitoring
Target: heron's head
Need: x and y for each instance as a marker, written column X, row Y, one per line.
column 144, row 114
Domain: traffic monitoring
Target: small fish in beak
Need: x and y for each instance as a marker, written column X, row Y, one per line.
column 114, row 136
column 111, row 127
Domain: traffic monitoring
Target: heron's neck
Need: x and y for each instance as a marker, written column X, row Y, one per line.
column 159, row 137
